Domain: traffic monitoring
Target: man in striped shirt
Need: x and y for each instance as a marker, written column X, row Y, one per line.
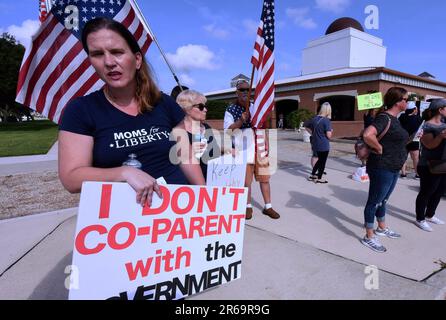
column 238, row 119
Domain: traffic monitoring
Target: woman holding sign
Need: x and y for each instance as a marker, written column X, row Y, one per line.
column 128, row 118
column 384, row 164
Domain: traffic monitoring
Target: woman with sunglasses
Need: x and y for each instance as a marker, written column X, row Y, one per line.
column 129, row 117
column 384, row 164
column 204, row 146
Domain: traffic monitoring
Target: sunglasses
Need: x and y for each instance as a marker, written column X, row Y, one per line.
column 243, row 90
column 200, row 106
column 405, row 99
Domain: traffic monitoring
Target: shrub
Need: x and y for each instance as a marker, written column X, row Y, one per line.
column 216, row 109
column 295, row 118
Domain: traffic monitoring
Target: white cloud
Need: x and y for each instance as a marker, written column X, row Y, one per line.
column 218, row 33
column 299, row 16
column 336, row 6
column 24, row 32
column 186, row 80
column 250, row 26
column 191, row 57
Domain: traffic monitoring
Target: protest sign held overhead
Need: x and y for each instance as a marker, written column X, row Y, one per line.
column 370, row 101
column 188, row 241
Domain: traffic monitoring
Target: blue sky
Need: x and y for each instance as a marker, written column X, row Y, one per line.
column 210, row 42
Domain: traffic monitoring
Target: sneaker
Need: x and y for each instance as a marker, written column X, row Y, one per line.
column 271, row 213
column 417, row 177
column 312, row 178
column 387, row 233
column 403, row 175
column 323, row 181
column 424, row 226
column 248, row 213
column 374, row 244
column 435, row 220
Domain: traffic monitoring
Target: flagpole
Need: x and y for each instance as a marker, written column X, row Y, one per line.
column 146, row 25
column 248, row 103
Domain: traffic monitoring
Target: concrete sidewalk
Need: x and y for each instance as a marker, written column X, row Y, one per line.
column 312, row 252
column 29, row 164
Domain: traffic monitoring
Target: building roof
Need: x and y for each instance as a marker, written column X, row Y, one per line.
column 344, row 23
column 426, row 75
column 345, row 76
column 240, row 76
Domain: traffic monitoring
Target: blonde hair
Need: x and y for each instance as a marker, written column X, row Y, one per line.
column 188, row 98
column 325, row 110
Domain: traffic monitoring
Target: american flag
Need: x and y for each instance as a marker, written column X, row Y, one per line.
column 56, row 69
column 42, row 11
column 263, row 61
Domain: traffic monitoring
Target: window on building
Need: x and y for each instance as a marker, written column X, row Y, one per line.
column 342, row 107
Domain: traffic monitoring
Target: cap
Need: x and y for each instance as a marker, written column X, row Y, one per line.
column 437, row 104
column 240, row 82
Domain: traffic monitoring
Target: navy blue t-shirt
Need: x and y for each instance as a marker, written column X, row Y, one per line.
column 117, row 135
column 319, row 126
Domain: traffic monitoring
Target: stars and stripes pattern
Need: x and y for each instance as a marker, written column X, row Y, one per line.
column 56, row 69
column 42, row 11
column 263, row 61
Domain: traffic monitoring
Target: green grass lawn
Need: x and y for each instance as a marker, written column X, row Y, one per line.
column 27, row 138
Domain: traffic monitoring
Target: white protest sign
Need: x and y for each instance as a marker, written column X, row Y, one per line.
column 187, row 242
column 419, row 133
column 423, row 106
column 226, row 171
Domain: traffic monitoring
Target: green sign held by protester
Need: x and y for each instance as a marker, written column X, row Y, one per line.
column 370, row 101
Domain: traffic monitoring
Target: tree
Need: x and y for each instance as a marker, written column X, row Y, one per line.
column 11, row 55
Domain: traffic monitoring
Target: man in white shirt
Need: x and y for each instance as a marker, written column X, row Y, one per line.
column 238, row 119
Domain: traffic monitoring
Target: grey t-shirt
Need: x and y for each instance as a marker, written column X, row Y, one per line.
column 432, row 154
column 394, row 144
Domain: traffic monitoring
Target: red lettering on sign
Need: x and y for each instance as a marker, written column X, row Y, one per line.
column 236, row 193
column 104, row 210
column 196, row 224
column 178, row 229
column 80, row 240
column 190, row 200
column 164, row 205
column 160, row 226
column 204, row 196
column 112, row 242
column 211, row 222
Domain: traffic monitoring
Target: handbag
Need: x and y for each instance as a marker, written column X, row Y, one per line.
column 362, row 150
column 437, row 166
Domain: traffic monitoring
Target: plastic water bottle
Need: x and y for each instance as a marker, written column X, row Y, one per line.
column 198, row 138
column 132, row 162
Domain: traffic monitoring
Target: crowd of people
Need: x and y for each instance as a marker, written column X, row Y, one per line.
column 401, row 127
column 131, row 117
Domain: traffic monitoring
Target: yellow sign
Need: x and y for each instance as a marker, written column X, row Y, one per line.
column 370, row 101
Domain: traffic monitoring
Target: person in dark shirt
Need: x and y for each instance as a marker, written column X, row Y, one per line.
column 176, row 91
column 432, row 186
column 321, row 132
column 128, row 117
column 369, row 116
column 384, row 164
column 411, row 122
column 206, row 147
